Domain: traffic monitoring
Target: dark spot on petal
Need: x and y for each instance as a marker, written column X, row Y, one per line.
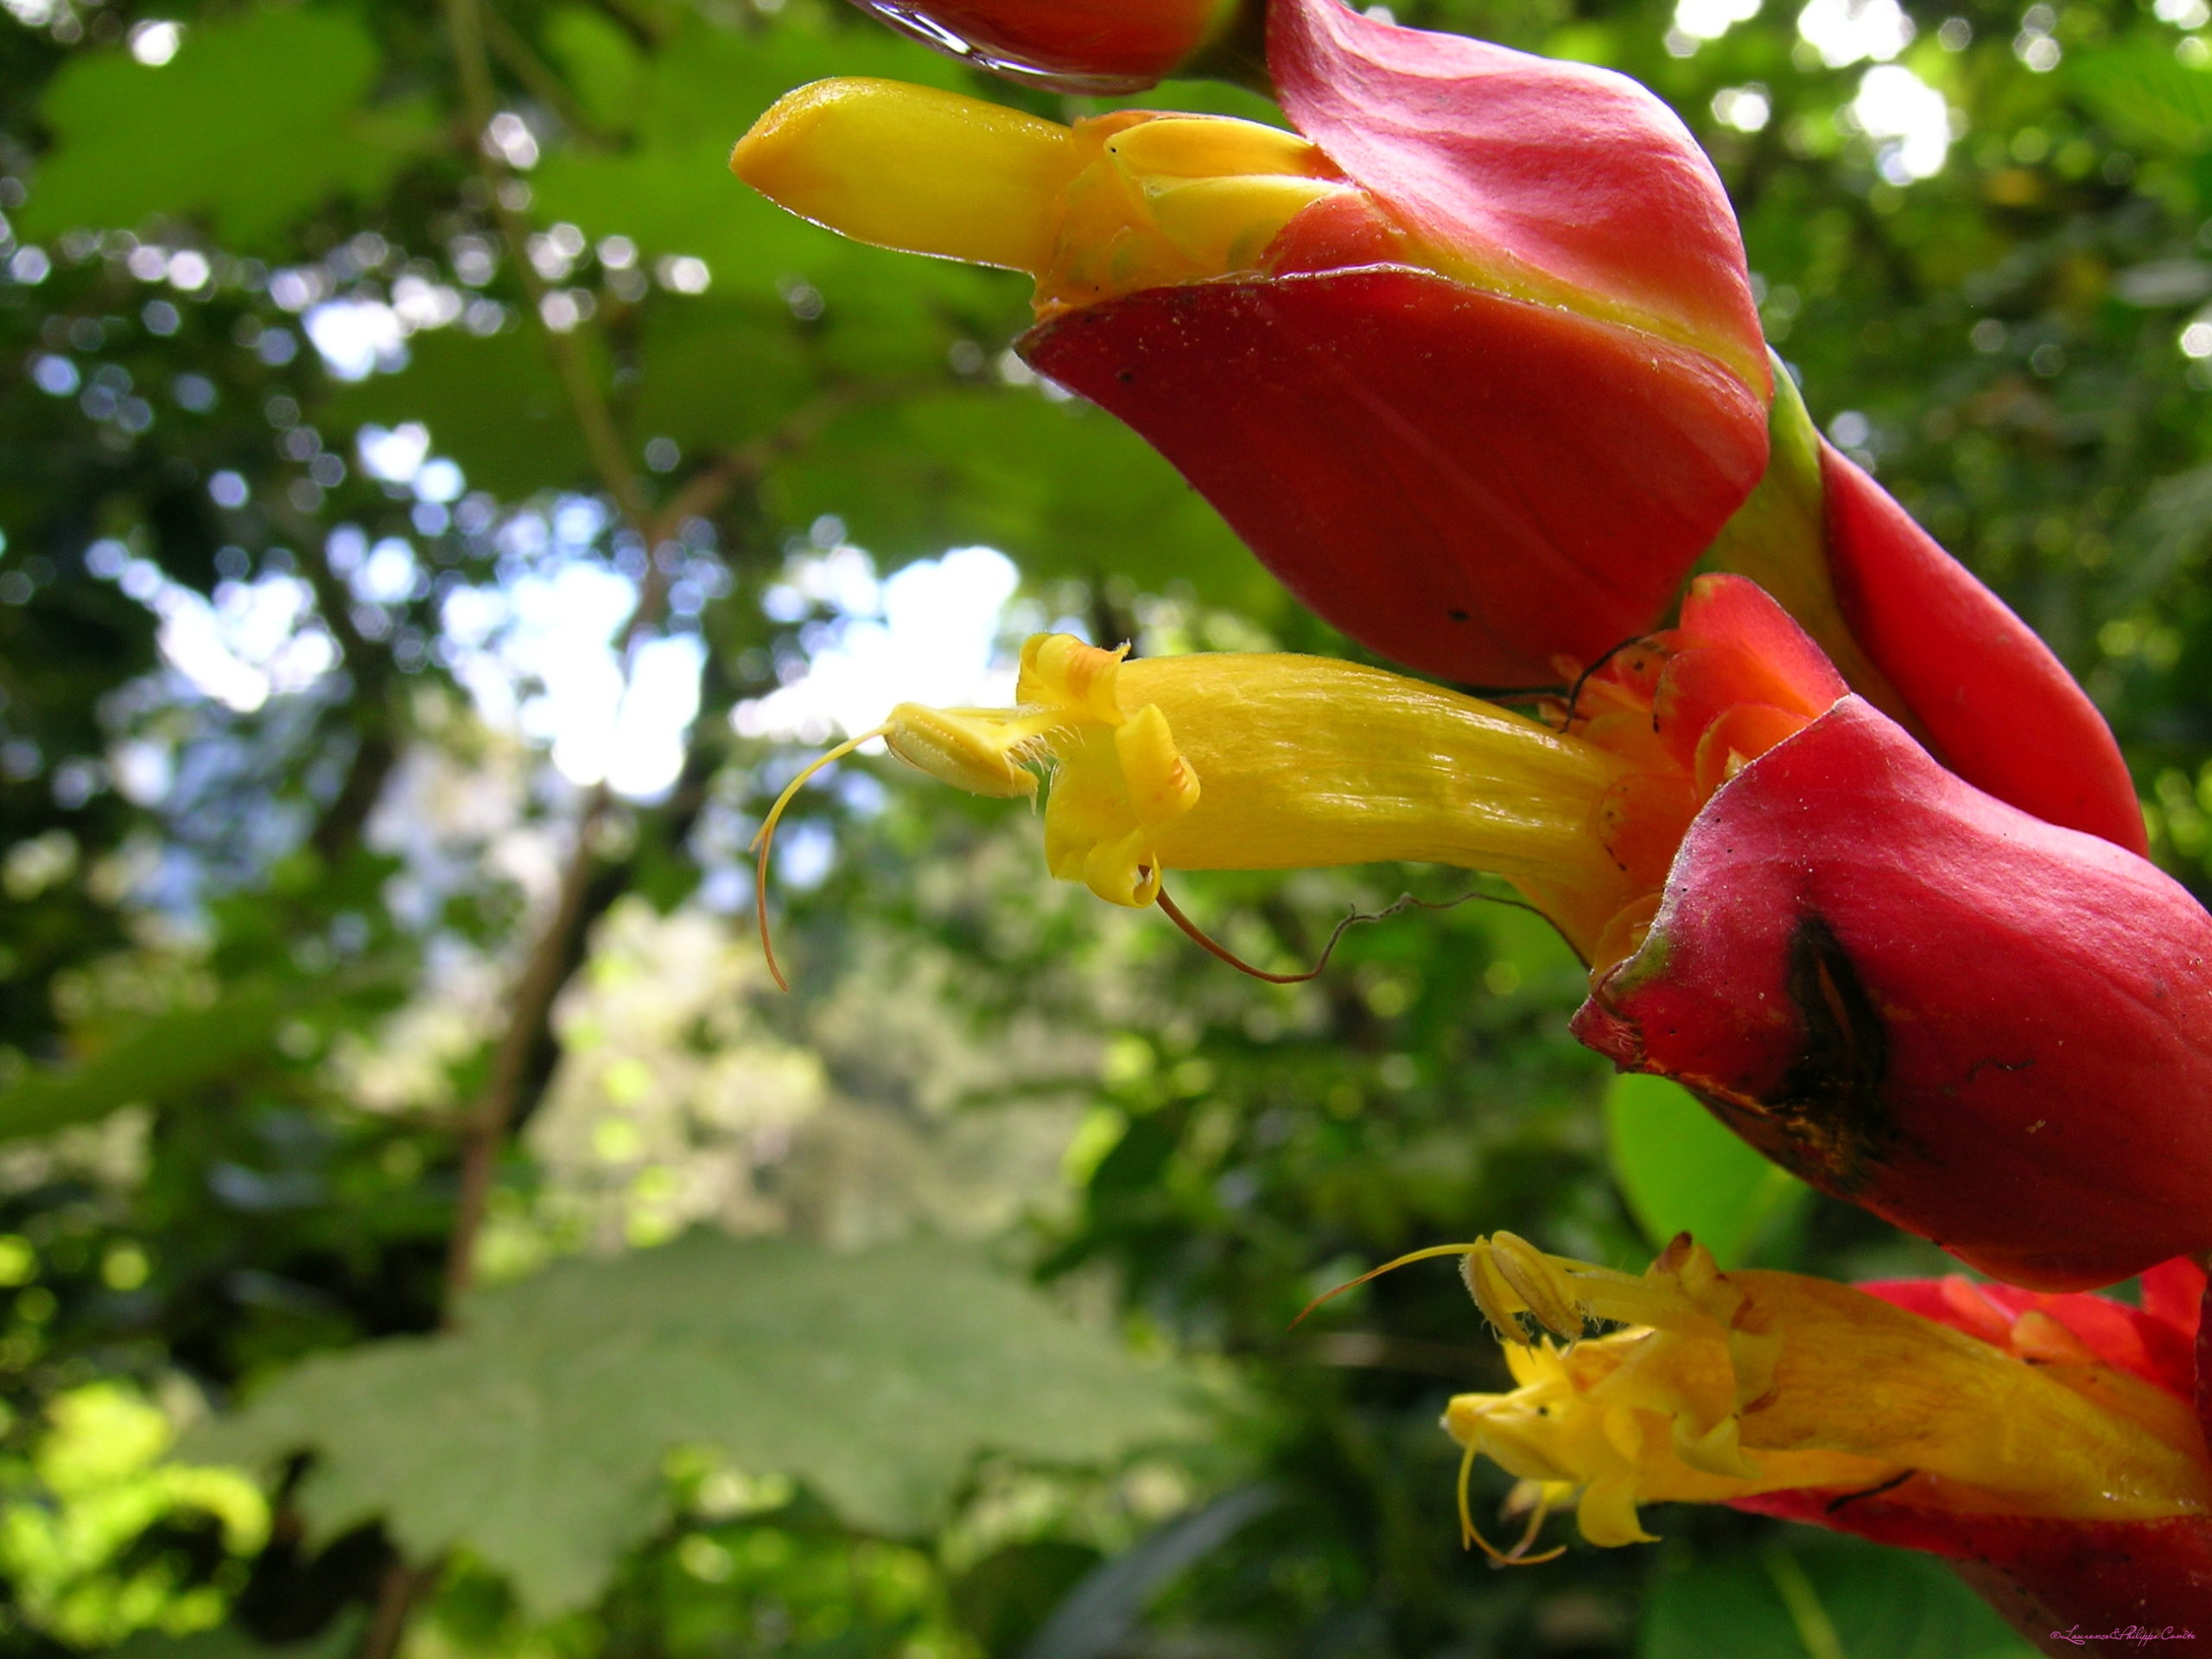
column 1834, row 1504
column 1829, row 1120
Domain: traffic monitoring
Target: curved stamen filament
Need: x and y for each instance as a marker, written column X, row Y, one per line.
column 1404, row 902
column 1411, row 1256
column 1472, row 1536
column 1508, row 1276
column 765, row 839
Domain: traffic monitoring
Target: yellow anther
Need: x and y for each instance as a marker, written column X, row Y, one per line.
column 979, row 750
column 1494, row 1294
column 1546, row 1292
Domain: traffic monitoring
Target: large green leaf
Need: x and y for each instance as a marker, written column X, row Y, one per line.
column 537, row 1433
column 171, row 1055
column 671, row 190
column 340, row 1638
column 2147, row 93
column 260, row 117
column 1682, row 1171
column 1063, row 488
column 493, row 404
column 603, row 64
column 1822, row 1597
column 715, row 373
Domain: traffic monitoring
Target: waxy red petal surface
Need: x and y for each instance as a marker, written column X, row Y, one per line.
column 1094, row 46
column 1568, row 183
column 2003, row 712
column 1467, row 484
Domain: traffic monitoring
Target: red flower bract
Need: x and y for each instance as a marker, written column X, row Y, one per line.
column 1992, row 1031
column 2001, row 710
column 1492, row 411
column 1393, row 445
column 1571, row 184
column 1076, row 45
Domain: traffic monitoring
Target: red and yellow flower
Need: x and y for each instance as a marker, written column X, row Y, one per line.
column 1990, row 1030
column 1366, row 342
column 1469, row 360
column 2048, row 1446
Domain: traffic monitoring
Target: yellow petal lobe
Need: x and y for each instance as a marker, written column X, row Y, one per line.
column 914, row 168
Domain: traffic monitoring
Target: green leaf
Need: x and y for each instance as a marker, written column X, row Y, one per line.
column 1063, row 488
column 160, row 1059
column 1682, row 1171
column 492, row 405
column 715, row 373
column 1003, row 1598
column 259, row 118
column 603, row 67
column 339, row 1639
column 2145, row 93
column 1822, row 1597
column 537, row 1433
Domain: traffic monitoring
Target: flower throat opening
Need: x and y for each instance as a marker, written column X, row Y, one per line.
column 1684, row 710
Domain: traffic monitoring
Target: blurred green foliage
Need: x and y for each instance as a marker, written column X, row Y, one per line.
column 305, row 932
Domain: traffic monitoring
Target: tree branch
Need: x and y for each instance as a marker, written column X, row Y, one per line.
column 465, row 30
column 527, row 67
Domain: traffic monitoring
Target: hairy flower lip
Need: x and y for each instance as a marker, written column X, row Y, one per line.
column 1272, row 761
column 1268, row 762
column 2042, row 1444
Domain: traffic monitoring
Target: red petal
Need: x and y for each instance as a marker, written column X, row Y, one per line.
column 2174, row 1291
column 1735, row 611
column 1076, row 46
column 1570, row 184
column 2133, row 1340
column 1467, row 484
column 1987, row 1029
column 2045, row 1577
column 2003, row 712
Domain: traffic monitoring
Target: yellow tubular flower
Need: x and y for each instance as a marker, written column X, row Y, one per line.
column 1126, row 201
column 1267, row 762
column 1729, row 1385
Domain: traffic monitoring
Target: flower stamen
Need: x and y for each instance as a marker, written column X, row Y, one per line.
column 765, row 839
